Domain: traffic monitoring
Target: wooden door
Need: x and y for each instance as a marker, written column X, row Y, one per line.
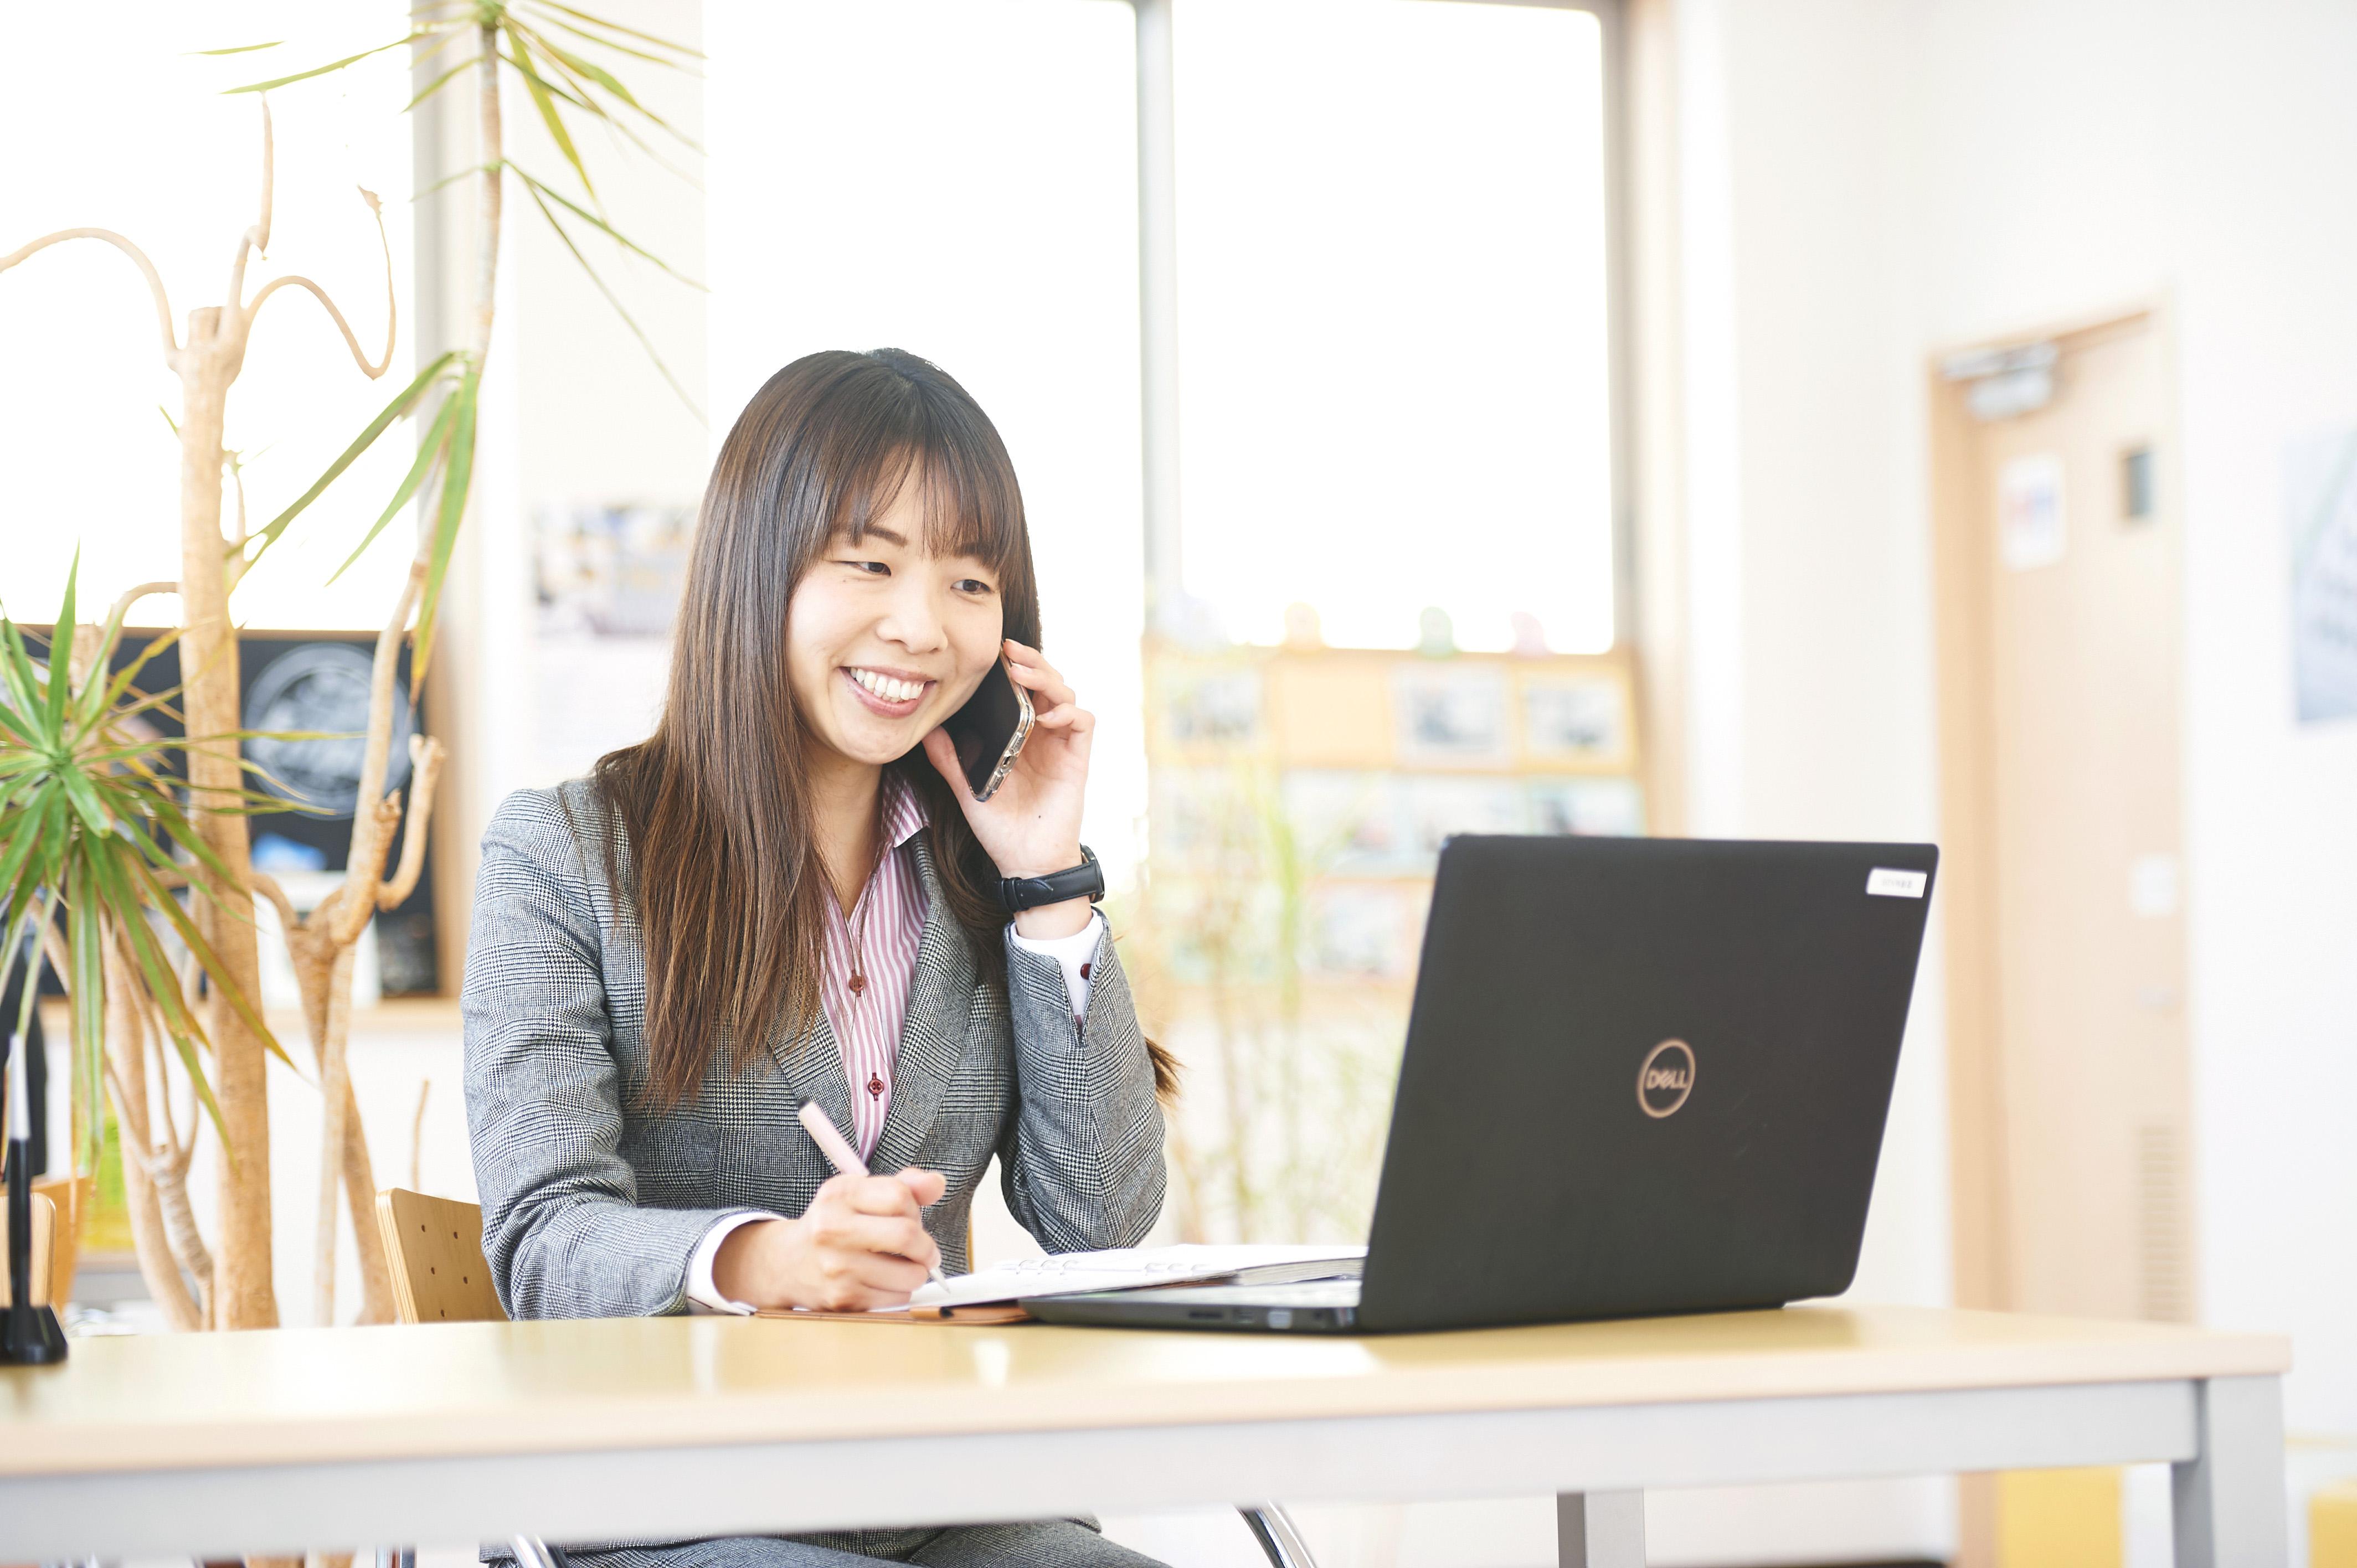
column 2060, row 561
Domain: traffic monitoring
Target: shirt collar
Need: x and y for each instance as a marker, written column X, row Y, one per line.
column 904, row 811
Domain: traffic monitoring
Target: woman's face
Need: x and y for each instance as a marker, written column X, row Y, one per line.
column 884, row 642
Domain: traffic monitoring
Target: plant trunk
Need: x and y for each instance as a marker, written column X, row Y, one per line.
column 242, row 1296
column 337, row 1119
column 126, row 1037
column 324, row 972
column 493, row 152
column 359, row 1196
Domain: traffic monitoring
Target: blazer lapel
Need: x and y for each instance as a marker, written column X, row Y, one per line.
column 932, row 1036
column 810, row 1063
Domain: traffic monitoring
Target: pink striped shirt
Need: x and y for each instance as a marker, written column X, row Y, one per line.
column 871, row 958
column 890, row 919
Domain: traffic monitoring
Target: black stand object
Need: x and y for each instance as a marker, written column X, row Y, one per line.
column 30, row 1336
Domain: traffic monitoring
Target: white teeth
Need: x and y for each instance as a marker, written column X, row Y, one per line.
column 886, row 687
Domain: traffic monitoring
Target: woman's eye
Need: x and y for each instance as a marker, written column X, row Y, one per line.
column 873, row 568
column 973, row 585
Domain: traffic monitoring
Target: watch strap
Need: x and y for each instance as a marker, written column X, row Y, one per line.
column 1017, row 894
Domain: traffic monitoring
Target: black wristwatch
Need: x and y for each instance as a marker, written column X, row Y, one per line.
column 1017, row 894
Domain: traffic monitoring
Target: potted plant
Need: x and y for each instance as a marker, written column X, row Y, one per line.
column 235, row 1287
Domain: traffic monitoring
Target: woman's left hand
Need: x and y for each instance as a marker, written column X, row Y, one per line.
column 1031, row 825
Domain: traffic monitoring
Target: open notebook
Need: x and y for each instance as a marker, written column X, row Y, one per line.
column 989, row 1294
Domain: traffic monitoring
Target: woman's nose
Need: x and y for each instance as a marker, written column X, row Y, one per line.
column 913, row 618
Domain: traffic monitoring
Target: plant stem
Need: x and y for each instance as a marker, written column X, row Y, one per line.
column 490, row 192
column 208, row 363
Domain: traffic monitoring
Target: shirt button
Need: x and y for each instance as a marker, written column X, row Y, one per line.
column 875, row 1087
column 1085, row 970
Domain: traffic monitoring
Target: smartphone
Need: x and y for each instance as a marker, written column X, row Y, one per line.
column 990, row 730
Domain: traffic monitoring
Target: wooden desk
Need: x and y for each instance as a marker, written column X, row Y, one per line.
column 712, row 1425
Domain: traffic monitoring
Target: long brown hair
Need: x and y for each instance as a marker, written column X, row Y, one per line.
column 725, row 875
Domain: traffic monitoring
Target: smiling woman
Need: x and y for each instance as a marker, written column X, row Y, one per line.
column 796, row 550
column 783, row 898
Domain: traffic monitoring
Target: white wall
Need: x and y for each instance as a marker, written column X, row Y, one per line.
column 2269, row 354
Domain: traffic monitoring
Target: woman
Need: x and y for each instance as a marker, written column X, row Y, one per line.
column 789, row 892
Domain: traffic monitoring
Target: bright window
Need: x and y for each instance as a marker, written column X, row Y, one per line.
column 1393, row 363
column 958, row 178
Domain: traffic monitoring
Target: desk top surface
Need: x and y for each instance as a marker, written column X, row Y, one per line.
column 302, row 1395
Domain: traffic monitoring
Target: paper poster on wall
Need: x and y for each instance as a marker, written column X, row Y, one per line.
column 1451, row 715
column 1210, row 707
column 1610, row 808
column 2030, row 524
column 2320, row 494
column 1584, row 720
column 1438, row 808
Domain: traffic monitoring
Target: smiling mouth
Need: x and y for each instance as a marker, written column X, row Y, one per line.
column 886, row 694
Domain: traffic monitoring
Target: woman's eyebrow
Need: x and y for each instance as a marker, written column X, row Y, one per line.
column 878, row 531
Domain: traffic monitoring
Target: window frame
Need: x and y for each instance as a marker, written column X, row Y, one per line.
column 1158, row 274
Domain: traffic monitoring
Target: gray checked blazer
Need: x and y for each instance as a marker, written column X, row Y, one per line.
column 593, row 1205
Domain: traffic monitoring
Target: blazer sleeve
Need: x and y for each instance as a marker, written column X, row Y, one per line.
column 1080, row 1162
column 563, row 1230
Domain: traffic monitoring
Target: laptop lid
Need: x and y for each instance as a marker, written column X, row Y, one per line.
column 1643, row 1076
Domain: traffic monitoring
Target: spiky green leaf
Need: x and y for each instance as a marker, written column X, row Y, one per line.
column 458, row 475
column 278, row 81
column 434, row 86
column 429, row 454
column 534, row 190
column 543, row 100
column 84, row 946
column 617, row 47
column 539, row 188
column 61, row 649
column 402, row 402
column 587, row 18
column 581, row 67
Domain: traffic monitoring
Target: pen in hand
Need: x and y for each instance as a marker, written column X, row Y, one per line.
column 842, row 1155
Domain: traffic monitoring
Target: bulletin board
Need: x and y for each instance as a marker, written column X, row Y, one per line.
column 1328, row 778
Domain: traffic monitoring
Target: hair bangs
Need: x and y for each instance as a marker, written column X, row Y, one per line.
column 970, row 502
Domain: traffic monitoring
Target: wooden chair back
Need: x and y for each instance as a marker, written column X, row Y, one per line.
column 72, row 1195
column 436, row 1248
column 45, row 1228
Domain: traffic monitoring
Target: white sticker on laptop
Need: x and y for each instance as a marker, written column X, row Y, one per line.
column 1890, row 882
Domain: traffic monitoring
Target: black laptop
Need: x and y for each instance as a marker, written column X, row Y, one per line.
column 1643, row 1076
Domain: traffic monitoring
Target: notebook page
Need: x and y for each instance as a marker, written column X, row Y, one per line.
column 1121, row 1268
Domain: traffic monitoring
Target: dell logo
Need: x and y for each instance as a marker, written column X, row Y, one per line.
column 1666, row 1079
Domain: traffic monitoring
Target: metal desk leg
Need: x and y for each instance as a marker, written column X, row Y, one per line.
column 1600, row 1530
column 2229, row 1499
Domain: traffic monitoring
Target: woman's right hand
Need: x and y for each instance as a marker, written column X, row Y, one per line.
column 860, row 1244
